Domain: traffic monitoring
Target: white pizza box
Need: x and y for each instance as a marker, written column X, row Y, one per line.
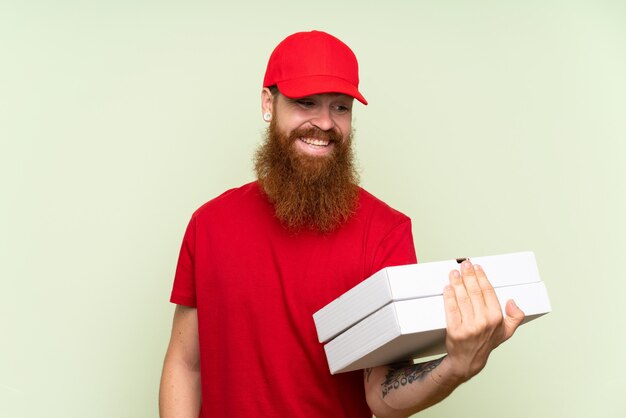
column 415, row 281
column 415, row 328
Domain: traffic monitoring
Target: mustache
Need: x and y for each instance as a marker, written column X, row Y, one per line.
column 331, row 135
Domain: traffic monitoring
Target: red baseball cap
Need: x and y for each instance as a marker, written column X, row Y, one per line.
column 315, row 62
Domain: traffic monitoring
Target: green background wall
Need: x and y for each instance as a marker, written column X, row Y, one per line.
column 497, row 126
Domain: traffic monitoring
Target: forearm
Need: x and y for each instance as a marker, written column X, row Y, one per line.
column 403, row 389
column 180, row 392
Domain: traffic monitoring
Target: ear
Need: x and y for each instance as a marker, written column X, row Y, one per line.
column 267, row 101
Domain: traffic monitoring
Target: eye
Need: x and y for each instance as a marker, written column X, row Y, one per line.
column 305, row 103
column 342, row 108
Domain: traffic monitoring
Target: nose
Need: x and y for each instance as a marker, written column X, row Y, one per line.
column 323, row 119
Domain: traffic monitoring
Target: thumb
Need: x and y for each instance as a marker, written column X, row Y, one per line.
column 514, row 317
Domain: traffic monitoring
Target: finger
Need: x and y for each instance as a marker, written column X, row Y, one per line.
column 453, row 314
column 489, row 294
column 514, row 318
column 473, row 289
column 462, row 298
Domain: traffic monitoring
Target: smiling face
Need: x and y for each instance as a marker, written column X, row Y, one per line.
column 315, row 122
column 305, row 166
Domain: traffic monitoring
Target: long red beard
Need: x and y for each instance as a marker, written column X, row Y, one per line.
column 320, row 192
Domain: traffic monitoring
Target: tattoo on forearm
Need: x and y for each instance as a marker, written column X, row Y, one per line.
column 403, row 374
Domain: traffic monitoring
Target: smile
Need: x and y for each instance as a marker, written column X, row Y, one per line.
column 315, row 142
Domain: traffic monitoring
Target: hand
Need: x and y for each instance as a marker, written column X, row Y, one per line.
column 475, row 324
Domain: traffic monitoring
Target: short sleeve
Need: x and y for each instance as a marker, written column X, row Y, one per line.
column 184, row 289
column 396, row 248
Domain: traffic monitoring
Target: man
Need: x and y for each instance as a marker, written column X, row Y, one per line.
column 259, row 260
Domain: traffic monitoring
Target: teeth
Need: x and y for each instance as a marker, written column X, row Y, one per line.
column 315, row 141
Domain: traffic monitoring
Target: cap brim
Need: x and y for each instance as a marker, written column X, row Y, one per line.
column 318, row 84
